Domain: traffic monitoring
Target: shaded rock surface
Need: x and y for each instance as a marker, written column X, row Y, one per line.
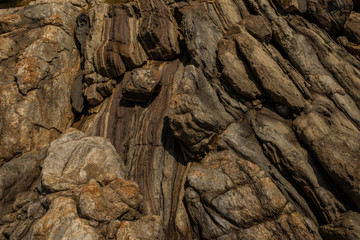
column 163, row 119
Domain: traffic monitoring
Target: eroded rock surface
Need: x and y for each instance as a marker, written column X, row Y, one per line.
column 227, row 119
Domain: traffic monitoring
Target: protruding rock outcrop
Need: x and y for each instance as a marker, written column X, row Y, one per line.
column 226, row 119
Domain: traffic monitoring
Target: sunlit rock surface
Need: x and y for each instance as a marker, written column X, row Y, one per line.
column 164, row 119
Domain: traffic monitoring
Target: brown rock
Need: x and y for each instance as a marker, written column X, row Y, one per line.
column 121, row 40
column 335, row 142
column 271, row 77
column 353, row 48
column 62, row 221
column 158, row 31
column 38, row 67
column 92, row 95
column 293, row 5
column 258, row 27
column 346, row 227
column 281, row 146
column 329, row 15
column 224, row 191
column 142, row 84
column 149, row 227
column 351, row 27
column 100, row 204
column 235, row 71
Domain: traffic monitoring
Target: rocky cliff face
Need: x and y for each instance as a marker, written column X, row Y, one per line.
column 166, row 119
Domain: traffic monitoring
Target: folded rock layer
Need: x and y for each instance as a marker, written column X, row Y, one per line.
column 186, row 119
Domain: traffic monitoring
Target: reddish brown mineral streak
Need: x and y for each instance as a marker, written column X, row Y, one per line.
column 226, row 119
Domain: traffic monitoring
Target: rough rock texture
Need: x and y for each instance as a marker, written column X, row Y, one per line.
column 346, row 227
column 226, row 119
column 62, row 221
column 74, row 159
column 143, row 84
column 39, row 61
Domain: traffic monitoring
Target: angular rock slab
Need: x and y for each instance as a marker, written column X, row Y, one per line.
column 74, row 159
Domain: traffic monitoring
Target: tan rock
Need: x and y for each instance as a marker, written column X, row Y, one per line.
column 293, row 5
column 149, row 227
column 94, row 204
column 352, row 27
column 38, row 69
column 62, row 221
column 142, row 85
column 74, row 159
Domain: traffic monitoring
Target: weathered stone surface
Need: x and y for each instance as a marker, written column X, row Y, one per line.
column 196, row 113
column 330, row 15
column 235, row 71
column 353, row 48
column 149, row 227
column 105, row 204
column 280, row 144
column 271, row 77
column 142, row 84
column 246, row 125
column 74, row 159
column 293, row 5
column 152, row 156
column 120, row 48
column 258, row 27
column 92, row 95
column 158, row 30
column 335, row 142
column 39, row 63
column 347, row 226
column 223, row 197
column 16, row 177
column 202, row 32
column 351, row 27
column 62, row 221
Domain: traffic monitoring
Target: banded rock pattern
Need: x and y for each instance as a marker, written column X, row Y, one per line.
column 227, row 119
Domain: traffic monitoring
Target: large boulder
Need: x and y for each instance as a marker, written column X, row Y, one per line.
column 74, row 159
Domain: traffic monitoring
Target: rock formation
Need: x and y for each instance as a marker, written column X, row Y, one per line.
column 180, row 119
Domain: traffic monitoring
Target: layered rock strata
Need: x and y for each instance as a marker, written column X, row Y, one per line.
column 229, row 119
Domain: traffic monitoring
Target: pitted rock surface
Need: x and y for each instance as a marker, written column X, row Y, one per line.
column 186, row 119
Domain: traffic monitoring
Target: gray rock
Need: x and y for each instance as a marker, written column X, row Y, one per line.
column 74, row 159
